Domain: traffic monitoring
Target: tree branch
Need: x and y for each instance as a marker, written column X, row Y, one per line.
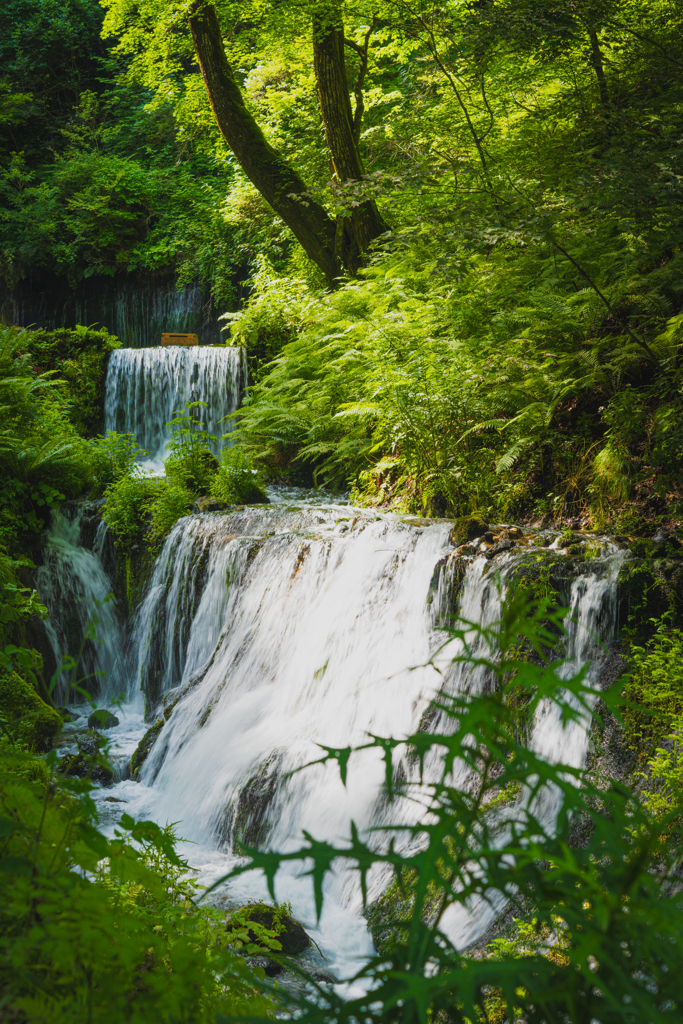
column 639, row 341
column 362, row 51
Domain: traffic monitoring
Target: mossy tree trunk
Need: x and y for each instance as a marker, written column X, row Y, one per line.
column 334, row 246
column 362, row 223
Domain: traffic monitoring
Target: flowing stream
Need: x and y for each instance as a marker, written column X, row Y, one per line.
column 268, row 630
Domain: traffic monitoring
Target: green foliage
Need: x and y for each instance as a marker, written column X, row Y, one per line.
column 102, row 213
column 235, row 481
column 96, row 177
column 124, row 942
column 127, row 501
column 144, row 508
column 171, row 502
column 42, row 458
column 79, row 357
column 190, row 461
column 111, row 458
column 599, row 939
column 514, row 346
column 665, row 779
column 654, row 688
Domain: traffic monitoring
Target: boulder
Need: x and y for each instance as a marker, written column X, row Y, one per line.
column 497, row 549
column 87, row 763
column 288, row 932
column 207, row 504
column 102, row 719
column 271, row 968
column 467, row 529
column 324, row 977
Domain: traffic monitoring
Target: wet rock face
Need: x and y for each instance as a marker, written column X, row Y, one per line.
column 102, row 719
column 143, row 748
column 36, row 637
column 90, row 521
column 647, row 588
column 497, row 549
column 247, row 821
column 271, row 968
column 445, row 588
column 287, row 930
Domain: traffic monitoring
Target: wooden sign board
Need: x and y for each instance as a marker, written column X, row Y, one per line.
column 179, row 339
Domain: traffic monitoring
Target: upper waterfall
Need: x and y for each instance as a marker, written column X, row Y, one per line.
column 147, row 387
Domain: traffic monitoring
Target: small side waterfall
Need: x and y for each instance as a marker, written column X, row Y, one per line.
column 84, row 620
column 147, row 387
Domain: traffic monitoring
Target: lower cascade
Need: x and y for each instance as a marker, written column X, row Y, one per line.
column 266, row 631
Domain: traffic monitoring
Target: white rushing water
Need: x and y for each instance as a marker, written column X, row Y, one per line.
column 147, row 387
column 84, row 622
column 268, row 631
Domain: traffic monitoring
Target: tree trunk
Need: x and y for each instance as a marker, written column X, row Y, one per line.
column 599, row 67
column 363, row 223
column 277, row 182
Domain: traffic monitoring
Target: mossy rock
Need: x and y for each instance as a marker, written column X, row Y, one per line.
column 287, row 930
column 144, row 747
column 206, row 504
column 467, row 529
column 28, row 717
column 102, row 719
column 390, row 914
column 87, row 762
column 82, row 766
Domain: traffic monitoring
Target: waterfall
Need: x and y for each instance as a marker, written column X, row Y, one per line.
column 145, row 388
column 84, row 621
column 266, row 632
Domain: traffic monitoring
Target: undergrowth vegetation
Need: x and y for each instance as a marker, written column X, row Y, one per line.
column 104, row 929
column 144, row 508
